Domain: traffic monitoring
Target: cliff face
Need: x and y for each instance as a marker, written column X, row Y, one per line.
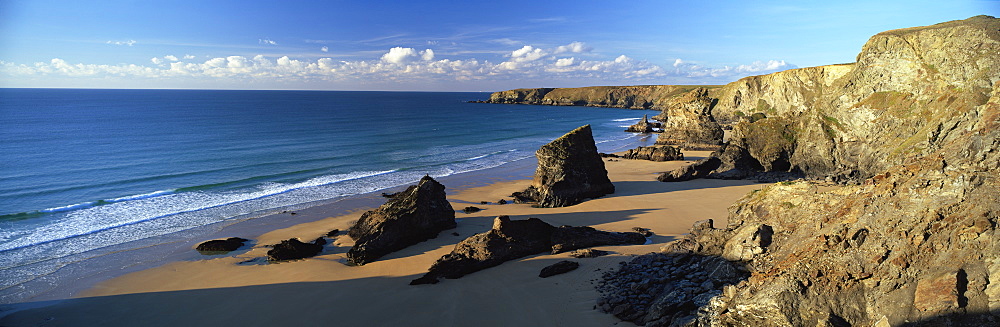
column 628, row 97
column 915, row 243
column 850, row 122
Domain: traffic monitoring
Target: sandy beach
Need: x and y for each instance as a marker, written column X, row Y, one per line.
column 239, row 289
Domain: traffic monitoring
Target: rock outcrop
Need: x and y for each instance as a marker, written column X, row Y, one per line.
column 558, row 268
column 415, row 215
column 226, row 245
column 569, row 171
column 293, row 249
column 643, row 126
column 687, row 119
column 629, row 97
column 512, row 239
column 850, row 122
column 654, row 153
column 916, row 243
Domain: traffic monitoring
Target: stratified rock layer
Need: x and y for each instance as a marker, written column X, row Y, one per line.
column 569, row 171
column 415, row 215
column 512, row 239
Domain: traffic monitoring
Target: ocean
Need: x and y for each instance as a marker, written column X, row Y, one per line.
column 92, row 175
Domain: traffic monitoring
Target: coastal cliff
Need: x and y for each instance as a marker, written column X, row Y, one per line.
column 916, row 123
column 627, row 97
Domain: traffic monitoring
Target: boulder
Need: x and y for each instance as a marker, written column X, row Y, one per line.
column 588, row 253
column 415, row 215
column 569, row 171
column 512, row 239
column 654, row 153
column 471, row 209
column 226, row 245
column 559, row 268
column 293, row 249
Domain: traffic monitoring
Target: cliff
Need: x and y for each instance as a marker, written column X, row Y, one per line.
column 628, row 97
column 850, row 122
column 916, row 121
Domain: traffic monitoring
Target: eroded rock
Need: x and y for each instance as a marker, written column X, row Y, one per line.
column 415, row 215
column 293, row 249
column 558, row 268
column 226, row 245
column 569, row 171
column 654, row 153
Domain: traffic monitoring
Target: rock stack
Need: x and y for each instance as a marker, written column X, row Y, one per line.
column 643, row 126
column 415, row 215
column 569, row 171
column 688, row 121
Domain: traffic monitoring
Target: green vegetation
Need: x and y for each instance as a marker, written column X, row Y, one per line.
column 739, row 114
column 787, row 205
column 757, row 116
column 763, row 106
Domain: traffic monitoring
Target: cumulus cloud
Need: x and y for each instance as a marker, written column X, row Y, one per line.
column 575, row 47
column 325, row 49
column 128, row 43
column 401, row 64
column 400, row 55
column 267, row 42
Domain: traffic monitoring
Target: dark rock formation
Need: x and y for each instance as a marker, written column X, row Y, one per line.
column 569, row 171
column 643, row 126
column 226, row 245
column 512, row 239
column 588, row 253
column 687, row 119
column 645, row 232
column 471, row 209
column 558, row 268
column 654, row 153
column 415, row 215
column 502, row 201
column 333, row 233
column 293, row 249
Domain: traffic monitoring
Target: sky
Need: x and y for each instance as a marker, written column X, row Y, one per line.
column 437, row 45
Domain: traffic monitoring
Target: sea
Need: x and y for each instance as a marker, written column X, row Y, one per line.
column 98, row 183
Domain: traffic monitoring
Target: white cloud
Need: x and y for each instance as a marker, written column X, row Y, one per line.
column 128, row 43
column 267, row 42
column 325, row 49
column 575, row 47
column 406, row 65
column 507, row 41
column 565, row 62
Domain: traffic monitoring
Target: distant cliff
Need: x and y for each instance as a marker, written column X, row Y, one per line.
column 652, row 97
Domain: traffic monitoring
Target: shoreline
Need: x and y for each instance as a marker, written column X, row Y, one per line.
column 666, row 208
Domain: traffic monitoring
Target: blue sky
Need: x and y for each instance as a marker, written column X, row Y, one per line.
column 436, row 45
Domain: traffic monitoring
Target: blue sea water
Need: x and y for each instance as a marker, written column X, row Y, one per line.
column 88, row 169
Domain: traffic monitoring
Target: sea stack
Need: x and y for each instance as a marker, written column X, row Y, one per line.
column 643, row 126
column 415, row 215
column 569, row 171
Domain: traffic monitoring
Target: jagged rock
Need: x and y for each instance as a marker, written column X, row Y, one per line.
column 643, row 126
column 512, row 239
column 748, row 241
column 502, row 201
column 608, row 155
column 654, row 153
column 687, row 119
column 645, row 232
column 293, row 249
column 558, row 268
column 569, row 171
column 588, row 253
column 471, row 209
column 415, row 215
column 226, row 245
column 333, row 233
